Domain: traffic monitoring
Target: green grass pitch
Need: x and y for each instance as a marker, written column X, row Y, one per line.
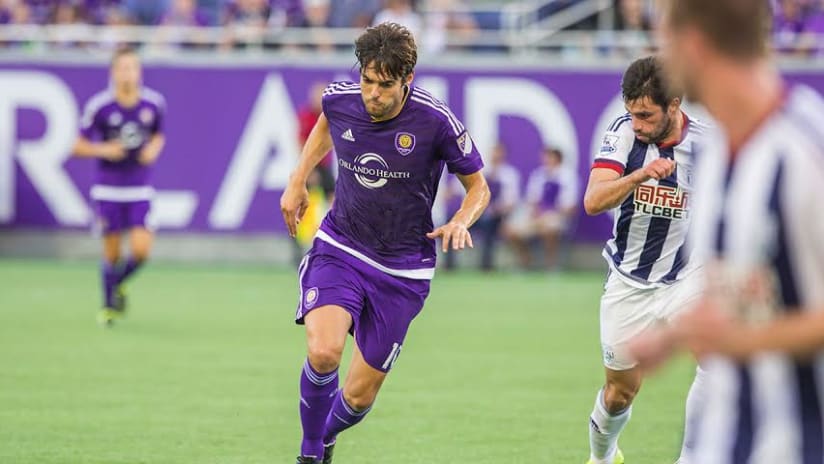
column 497, row 368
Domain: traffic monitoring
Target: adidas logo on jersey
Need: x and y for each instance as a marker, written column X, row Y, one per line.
column 347, row 135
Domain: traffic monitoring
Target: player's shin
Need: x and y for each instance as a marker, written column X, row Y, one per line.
column 604, row 430
column 317, row 392
column 341, row 417
column 697, row 395
column 109, row 278
column 130, row 267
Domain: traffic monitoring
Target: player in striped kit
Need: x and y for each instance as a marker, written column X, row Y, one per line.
column 759, row 224
column 644, row 171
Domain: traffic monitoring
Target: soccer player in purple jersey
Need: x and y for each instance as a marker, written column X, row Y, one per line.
column 122, row 127
column 369, row 268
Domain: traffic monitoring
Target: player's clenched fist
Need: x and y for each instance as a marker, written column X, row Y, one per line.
column 658, row 169
column 293, row 204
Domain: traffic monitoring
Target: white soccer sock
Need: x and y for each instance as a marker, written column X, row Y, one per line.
column 695, row 398
column 604, row 430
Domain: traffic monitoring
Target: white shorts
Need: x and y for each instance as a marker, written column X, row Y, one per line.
column 626, row 311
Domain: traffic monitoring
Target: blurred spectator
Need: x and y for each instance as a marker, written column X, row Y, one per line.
column 551, row 199
column 316, row 17
column 788, row 25
column 184, row 13
column 179, row 21
column 20, row 12
column 632, row 19
column 401, row 12
column 110, row 37
column 248, row 21
column 443, row 17
column 504, row 182
column 71, row 18
column 6, row 8
column 146, row 12
column 353, row 13
column 97, row 11
column 321, row 182
column 308, row 115
column 40, row 11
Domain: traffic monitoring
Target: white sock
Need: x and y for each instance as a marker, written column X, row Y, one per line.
column 604, row 430
column 695, row 398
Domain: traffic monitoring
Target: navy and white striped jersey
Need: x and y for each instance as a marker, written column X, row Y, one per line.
column 647, row 247
column 759, row 223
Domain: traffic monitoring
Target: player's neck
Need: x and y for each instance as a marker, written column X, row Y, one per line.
column 675, row 133
column 127, row 97
column 742, row 98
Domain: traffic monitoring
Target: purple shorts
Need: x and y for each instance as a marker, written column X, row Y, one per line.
column 382, row 306
column 116, row 216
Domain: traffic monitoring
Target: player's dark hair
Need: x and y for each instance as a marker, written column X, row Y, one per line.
column 122, row 51
column 645, row 77
column 737, row 28
column 553, row 151
column 388, row 47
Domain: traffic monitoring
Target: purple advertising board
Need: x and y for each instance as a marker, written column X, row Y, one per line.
column 232, row 135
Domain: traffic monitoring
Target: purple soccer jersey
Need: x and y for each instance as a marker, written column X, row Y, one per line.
column 106, row 120
column 388, row 175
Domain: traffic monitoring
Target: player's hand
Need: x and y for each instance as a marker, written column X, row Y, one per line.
column 658, row 169
column 653, row 348
column 293, row 204
column 112, row 151
column 709, row 329
column 147, row 157
column 454, row 232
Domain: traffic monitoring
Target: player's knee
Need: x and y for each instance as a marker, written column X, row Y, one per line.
column 140, row 254
column 359, row 400
column 324, row 358
column 618, row 397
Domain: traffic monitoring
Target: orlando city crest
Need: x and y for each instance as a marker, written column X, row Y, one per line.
column 310, row 297
column 404, row 143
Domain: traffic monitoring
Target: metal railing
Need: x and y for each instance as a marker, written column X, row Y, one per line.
column 543, row 37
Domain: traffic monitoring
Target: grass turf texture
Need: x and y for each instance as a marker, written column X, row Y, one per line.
column 497, row 368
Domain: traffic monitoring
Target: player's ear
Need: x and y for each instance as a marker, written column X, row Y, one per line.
column 409, row 78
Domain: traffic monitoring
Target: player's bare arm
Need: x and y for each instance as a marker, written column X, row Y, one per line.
column 112, row 150
column 607, row 189
column 151, row 151
column 295, row 198
column 456, row 230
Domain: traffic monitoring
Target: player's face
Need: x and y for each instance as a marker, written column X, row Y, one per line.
column 650, row 122
column 126, row 72
column 677, row 49
column 382, row 95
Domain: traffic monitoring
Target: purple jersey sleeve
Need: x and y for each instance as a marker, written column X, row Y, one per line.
column 90, row 126
column 459, row 151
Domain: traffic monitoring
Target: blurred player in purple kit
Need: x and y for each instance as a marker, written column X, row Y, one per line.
column 369, row 268
column 122, row 127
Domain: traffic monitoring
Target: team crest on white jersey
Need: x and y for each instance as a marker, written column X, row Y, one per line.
column 404, row 143
column 347, row 135
column 661, row 201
